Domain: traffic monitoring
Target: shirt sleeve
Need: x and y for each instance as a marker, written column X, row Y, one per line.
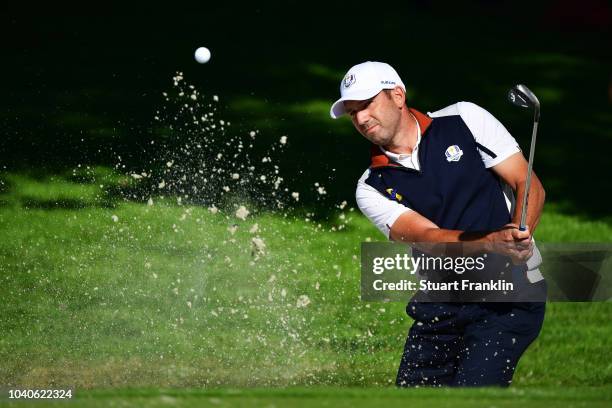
column 380, row 210
column 488, row 132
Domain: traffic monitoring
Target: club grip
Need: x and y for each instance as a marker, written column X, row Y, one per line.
column 522, row 228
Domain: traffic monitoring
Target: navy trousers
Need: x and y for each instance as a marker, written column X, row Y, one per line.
column 468, row 344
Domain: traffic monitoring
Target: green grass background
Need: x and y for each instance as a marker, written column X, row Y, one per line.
column 167, row 296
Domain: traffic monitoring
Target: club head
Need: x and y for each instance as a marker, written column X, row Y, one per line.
column 521, row 96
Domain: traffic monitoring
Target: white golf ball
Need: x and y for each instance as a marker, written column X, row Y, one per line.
column 202, row 55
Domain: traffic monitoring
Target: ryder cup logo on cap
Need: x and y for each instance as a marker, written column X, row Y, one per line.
column 364, row 81
column 453, row 153
column 349, row 80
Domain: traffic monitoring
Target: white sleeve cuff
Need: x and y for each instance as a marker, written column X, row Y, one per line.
column 393, row 216
column 501, row 157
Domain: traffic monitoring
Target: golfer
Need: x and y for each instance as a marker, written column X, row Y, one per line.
column 448, row 176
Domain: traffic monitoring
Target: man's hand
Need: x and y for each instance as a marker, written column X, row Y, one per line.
column 512, row 242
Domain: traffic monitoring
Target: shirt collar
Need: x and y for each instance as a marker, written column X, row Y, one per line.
column 396, row 157
column 381, row 157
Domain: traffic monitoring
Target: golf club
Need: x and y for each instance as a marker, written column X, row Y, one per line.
column 521, row 96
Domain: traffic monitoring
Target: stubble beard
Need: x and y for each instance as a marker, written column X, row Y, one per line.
column 380, row 137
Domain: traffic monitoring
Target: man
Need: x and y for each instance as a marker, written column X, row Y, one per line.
column 448, row 176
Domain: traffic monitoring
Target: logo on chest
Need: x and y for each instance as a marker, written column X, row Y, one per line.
column 453, row 153
column 394, row 195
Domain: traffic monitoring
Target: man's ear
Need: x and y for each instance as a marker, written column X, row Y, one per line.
column 399, row 96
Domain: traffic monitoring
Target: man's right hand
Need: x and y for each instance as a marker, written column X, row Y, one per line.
column 512, row 242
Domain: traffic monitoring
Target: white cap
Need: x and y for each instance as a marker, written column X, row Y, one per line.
column 363, row 81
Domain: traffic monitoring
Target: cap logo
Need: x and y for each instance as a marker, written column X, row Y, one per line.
column 349, row 80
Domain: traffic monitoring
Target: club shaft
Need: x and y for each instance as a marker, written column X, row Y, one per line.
column 536, row 119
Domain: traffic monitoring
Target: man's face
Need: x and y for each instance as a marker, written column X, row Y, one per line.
column 377, row 118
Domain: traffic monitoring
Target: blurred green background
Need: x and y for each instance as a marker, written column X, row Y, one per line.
column 82, row 87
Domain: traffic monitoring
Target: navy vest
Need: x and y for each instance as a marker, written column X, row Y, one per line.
column 453, row 189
